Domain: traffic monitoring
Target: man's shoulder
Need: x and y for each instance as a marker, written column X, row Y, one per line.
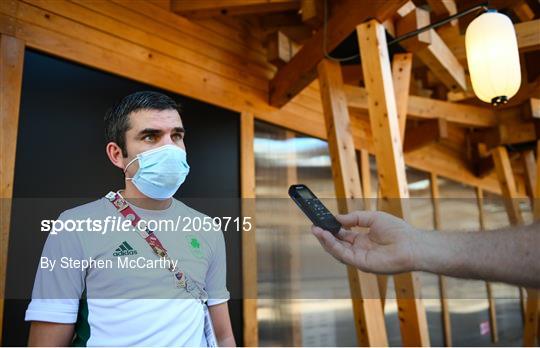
column 95, row 208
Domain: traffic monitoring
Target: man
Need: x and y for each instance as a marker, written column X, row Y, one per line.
column 391, row 246
column 141, row 305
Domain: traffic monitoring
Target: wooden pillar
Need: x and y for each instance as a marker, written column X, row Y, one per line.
column 249, row 244
column 445, row 312
column 508, row 184
column 505, row 175
column 390, row 167
column 368, row 314
column 401, row 77
column 491, row 301
column 532, row 310
column 365, row 176
column 11, row 67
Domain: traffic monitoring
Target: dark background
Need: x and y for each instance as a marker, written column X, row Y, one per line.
column 61, row 163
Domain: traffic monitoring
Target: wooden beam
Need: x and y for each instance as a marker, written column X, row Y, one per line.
column 390, row 167
column 529, row 169
column 301, row 70
column 11, row 68
column 492, row 308
column 445, row 313
column 368, row 314
column 365, row 177
column 426, row 108
column 401, row 77
column 527, row 34
column 523, row 11
column 427, row 133
column 508, row 185
column 505, row 174
column 414, row 20
column 352, row 74
column 249, row 244
column 280, row 49
column 443, row 8
column 312, row 12
column 212, row 8
column 536, row 205
column 164, row 4
column 513, row 132
column 432, row 50
column 533, row 106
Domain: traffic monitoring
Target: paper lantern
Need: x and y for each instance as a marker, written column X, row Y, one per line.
column 493, row 57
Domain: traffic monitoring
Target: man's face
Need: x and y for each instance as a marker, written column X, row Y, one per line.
column 151, row 129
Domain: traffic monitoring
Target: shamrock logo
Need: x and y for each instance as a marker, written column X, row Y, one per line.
column 195, row 243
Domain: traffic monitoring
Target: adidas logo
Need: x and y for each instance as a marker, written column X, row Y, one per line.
column 124, row 249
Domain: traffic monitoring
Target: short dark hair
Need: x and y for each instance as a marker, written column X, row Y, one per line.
column 117, row 117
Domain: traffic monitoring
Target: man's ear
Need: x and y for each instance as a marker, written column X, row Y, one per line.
column 114, row 152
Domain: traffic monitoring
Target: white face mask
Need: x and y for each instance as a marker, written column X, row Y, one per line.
column 161, row 171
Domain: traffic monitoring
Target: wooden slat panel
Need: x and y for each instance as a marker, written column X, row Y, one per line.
column 249, row 244
column 209, row 31
column 213, row 8
column 97, row 27
column 11, row 67
column 178, row 76
column 368, row 314
column 391, row 167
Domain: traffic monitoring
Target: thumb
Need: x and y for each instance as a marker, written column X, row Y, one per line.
column 361, row 218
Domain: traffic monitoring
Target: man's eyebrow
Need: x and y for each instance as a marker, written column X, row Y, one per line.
column 179, row 129
column 149, row 131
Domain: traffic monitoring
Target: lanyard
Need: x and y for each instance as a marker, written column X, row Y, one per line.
column 182, row 281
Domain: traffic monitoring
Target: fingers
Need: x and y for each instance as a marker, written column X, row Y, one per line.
column 333, row 246
column 347, row 235
column 361, row 218
column 343, row 234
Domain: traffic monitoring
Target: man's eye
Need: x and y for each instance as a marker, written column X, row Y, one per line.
column 177, row 136
column 149, row 138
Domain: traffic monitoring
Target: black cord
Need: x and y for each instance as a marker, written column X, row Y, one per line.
column 325, row 27
column 439, row 23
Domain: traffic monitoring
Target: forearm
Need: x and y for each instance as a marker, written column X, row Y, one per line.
column 227, row 341
column 508, row 255
column 45, row 334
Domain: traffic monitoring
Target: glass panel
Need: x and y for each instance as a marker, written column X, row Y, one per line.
column 290, row 259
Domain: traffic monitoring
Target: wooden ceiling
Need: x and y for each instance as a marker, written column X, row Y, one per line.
column 442, row 109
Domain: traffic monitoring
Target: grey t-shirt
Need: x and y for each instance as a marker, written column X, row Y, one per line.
column 130, row 298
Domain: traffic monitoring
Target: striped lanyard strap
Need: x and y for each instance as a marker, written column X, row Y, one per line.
column 183, row 281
